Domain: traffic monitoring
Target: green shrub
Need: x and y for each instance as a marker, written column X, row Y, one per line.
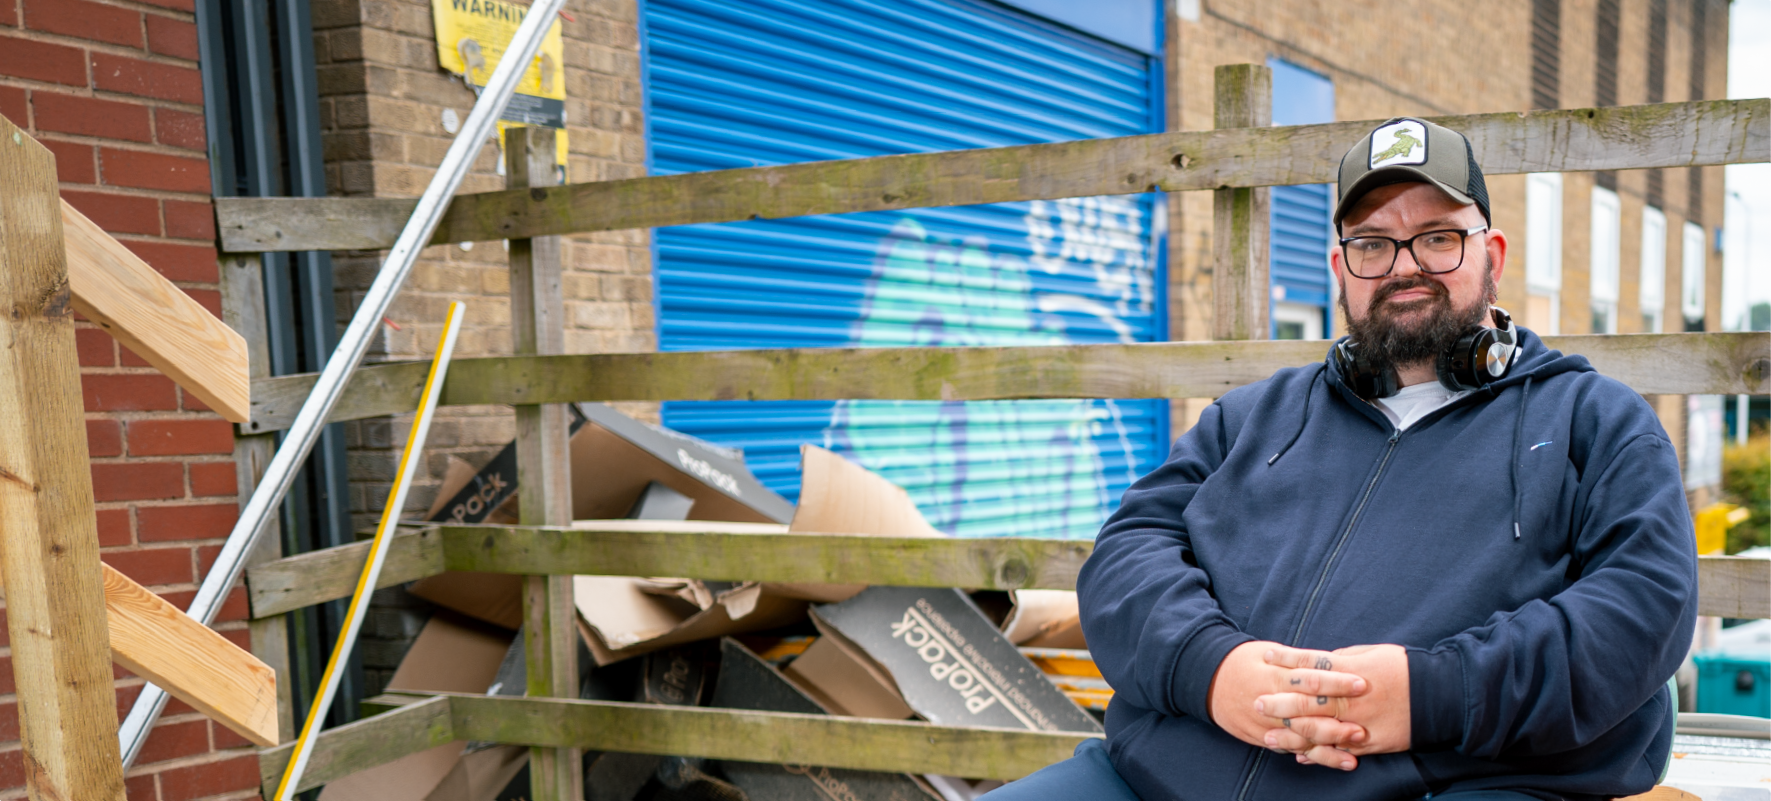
column 1746, row 480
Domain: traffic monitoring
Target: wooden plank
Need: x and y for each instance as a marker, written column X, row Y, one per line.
column 544, row 477
column 55, row 613
column 1728, row 586
column 736, row 552
column 157, row 641
column 774, row 737
column 1566, row 140
column 1701, row 363
column 1733, row 586
column 724, row 551
column 159, row 322
column 243, row 309
column 329, row 574
column 1241, row 216
column 364, row 744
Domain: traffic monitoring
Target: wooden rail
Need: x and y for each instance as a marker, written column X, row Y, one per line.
column 894, row 746
column 1691, row 134
column 1727, row 586
column 713, row 551
column 1712, row 364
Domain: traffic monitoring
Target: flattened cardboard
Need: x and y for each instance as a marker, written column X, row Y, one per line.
column 951, row 664
column 1044, row 619
column 615, row 460
column 487, row 495
column 616, row 456
column 620, row 619
column 747, row 682
column 451, row 654
column 838, row 496
column 479, row 776
column 845, row 680
column 495, row 598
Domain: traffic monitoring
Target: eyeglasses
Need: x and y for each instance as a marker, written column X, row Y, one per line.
column 1434, row 252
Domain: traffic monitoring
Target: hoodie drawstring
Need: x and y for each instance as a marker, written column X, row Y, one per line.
column 1320, row 369
column 1519, row 456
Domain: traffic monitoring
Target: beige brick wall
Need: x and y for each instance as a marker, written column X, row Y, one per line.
column 382, row 98
column 1484, row 65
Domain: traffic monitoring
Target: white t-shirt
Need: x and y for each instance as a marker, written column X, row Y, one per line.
column 1410, row 404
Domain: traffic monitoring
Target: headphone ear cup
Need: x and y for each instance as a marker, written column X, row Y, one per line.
column 1367, row 381
column 1479, row 358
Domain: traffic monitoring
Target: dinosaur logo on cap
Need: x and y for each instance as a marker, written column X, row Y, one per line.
column 1404, row 142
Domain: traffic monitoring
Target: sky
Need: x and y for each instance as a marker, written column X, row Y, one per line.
column 1749, row 75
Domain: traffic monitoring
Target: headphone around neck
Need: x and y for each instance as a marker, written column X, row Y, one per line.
column 1480, row 357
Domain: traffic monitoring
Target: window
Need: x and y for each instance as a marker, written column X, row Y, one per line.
column 1543, row 252
column 1653, row 283
column 1297, row 321
column 1691, row 277
column 1607, row 228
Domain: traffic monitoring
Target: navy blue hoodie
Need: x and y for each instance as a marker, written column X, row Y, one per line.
column 1529, row 544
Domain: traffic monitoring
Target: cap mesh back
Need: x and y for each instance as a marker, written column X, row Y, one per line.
column 1478, row 188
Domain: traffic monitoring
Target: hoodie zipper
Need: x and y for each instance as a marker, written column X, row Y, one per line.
column 1315, row 592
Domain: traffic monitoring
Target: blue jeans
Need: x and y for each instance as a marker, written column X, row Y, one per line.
column 1090, row 775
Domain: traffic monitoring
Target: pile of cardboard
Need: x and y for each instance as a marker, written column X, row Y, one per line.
column 877, row 652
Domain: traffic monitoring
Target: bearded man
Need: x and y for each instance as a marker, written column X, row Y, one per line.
column 1447, row 562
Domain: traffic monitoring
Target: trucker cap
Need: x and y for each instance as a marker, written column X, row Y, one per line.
column 1405, row 149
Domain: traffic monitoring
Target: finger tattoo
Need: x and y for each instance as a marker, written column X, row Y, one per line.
column 1324, row 663
column 1322, row 700
column 1295, row 682
column 1286, row 721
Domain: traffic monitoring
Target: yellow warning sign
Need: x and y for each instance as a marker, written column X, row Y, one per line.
column 472, row 36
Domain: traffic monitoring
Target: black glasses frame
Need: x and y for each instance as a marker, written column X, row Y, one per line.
column 1409, row 244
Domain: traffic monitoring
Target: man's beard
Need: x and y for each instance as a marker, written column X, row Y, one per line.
column 1385, row 341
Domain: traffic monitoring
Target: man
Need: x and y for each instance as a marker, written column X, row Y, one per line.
column 1435, row 565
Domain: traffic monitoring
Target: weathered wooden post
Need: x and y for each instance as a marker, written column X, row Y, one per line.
column 242, row 308
column 544, row 480
column 55, row 597
column 1241, row 216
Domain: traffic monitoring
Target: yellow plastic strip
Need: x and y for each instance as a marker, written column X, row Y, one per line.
column 359, row 608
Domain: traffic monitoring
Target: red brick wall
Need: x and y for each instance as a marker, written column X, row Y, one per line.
column 112, row 88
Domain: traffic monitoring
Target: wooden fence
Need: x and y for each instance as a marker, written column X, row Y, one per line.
column 1236, row 161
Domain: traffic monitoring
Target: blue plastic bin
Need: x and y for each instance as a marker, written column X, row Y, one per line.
column 1733, row 683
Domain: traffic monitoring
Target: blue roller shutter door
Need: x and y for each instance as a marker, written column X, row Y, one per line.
column 1301, row 233
column 738, row 84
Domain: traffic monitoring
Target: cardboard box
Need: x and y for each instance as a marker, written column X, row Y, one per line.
column 614, row 458
column 845, row 681
column 747, row 682
column 624, row 617
column 620, row 467
column 951, row 664
column 1044, row 619
column 451, row 654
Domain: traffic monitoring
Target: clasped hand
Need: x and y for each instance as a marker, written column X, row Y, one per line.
column 1327, row 708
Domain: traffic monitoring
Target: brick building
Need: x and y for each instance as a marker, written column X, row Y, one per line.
column 1518, row 55
column 116, row 90
column 113, row 90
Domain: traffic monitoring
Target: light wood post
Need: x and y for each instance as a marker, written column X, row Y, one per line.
column 544, row 481
column 55, row 596
column 242, row 308
column 1241, row 217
